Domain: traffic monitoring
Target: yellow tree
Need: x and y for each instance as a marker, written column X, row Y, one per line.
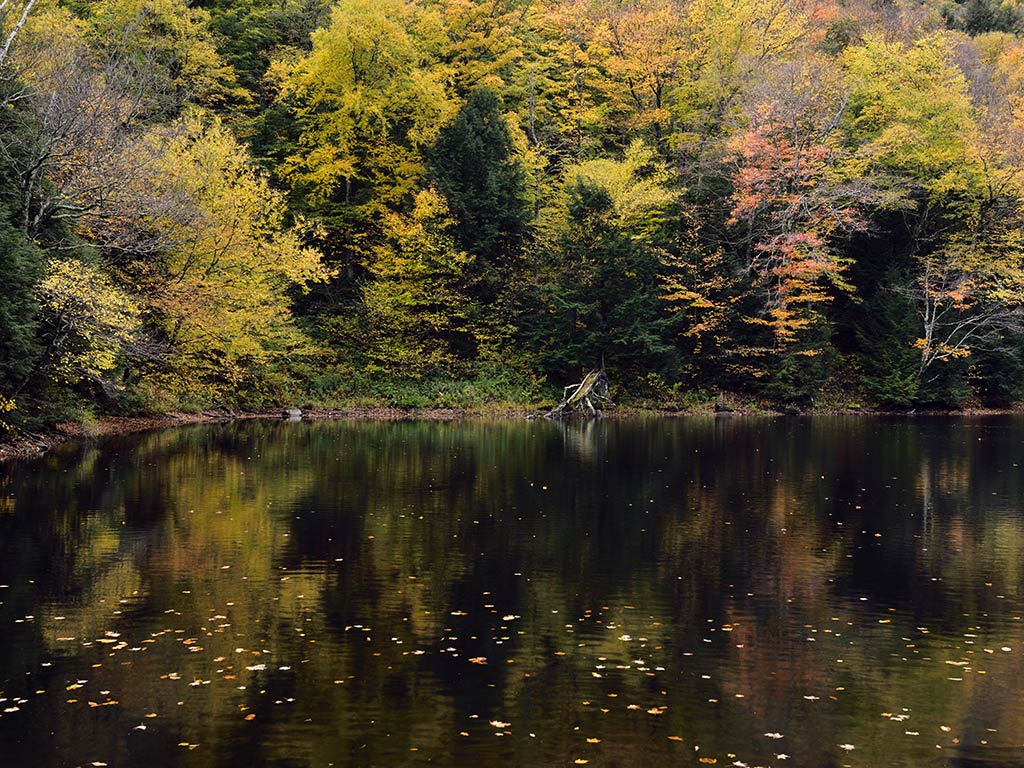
column 921, row 144
column 166, row 49
column 12, row 19
column 731, row 44
column 367, row 101
column 88, row 321
column 484, row 45
column 422, row 318
column 219, row 291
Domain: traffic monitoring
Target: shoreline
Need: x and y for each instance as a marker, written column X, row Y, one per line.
column 26, row 445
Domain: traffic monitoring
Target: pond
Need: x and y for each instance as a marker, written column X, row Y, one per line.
column 821, row 591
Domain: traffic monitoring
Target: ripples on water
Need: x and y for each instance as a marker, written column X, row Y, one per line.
column 730, row 591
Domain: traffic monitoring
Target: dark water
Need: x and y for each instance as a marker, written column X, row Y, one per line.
column 781, row 592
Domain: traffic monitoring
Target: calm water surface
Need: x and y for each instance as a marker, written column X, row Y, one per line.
column 731, row 591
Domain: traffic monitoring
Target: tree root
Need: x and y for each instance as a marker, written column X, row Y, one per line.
column 580, row 398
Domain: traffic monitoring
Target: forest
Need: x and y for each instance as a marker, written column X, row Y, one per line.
column 244, row 203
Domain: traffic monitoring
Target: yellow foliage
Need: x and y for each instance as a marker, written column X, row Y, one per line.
column 418, row 305
column 170, row 42
column 637, row 185
column 91, row 319
column 220, row 294
column 365, row 100
column 911, row 113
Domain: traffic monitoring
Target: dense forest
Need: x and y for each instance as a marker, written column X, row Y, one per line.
column 248, row 202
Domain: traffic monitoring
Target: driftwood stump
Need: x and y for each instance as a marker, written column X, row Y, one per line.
column 580, row 398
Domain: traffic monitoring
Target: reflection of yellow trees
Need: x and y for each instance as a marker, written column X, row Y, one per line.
column 341, row 566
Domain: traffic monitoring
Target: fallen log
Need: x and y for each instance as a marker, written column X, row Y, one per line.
column 580, row 398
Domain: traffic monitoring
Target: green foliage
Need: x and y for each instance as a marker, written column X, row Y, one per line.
column 489, row 386
column 418, row 307
column 700, row 195
column 976, row 17
column 20, row 270
column 602, row 291
column 474, row 166
column 797, row 376
column 251, row 33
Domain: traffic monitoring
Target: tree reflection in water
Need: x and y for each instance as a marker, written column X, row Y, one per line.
column 629, row 593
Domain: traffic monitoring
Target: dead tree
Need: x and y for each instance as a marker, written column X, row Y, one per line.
column 580, row 398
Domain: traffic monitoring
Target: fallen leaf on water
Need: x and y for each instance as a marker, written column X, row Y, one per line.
column 478, row 660
column 250, row 716
column 593, row 741
column 499, row 724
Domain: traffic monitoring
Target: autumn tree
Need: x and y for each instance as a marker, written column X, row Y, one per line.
column 703, row 291
column 219, row 295
column 421, row 317
column 169, row 49
column 921, row 147
column 367, row 103
column 12, row 19
column 793, row 202
column 87, row 322
column 485, row 42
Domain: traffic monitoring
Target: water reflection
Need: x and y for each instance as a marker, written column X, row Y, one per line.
column 626, row 593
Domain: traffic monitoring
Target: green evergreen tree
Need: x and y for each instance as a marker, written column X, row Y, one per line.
column 20, row 271
column 474, row 166
column 603, row 301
